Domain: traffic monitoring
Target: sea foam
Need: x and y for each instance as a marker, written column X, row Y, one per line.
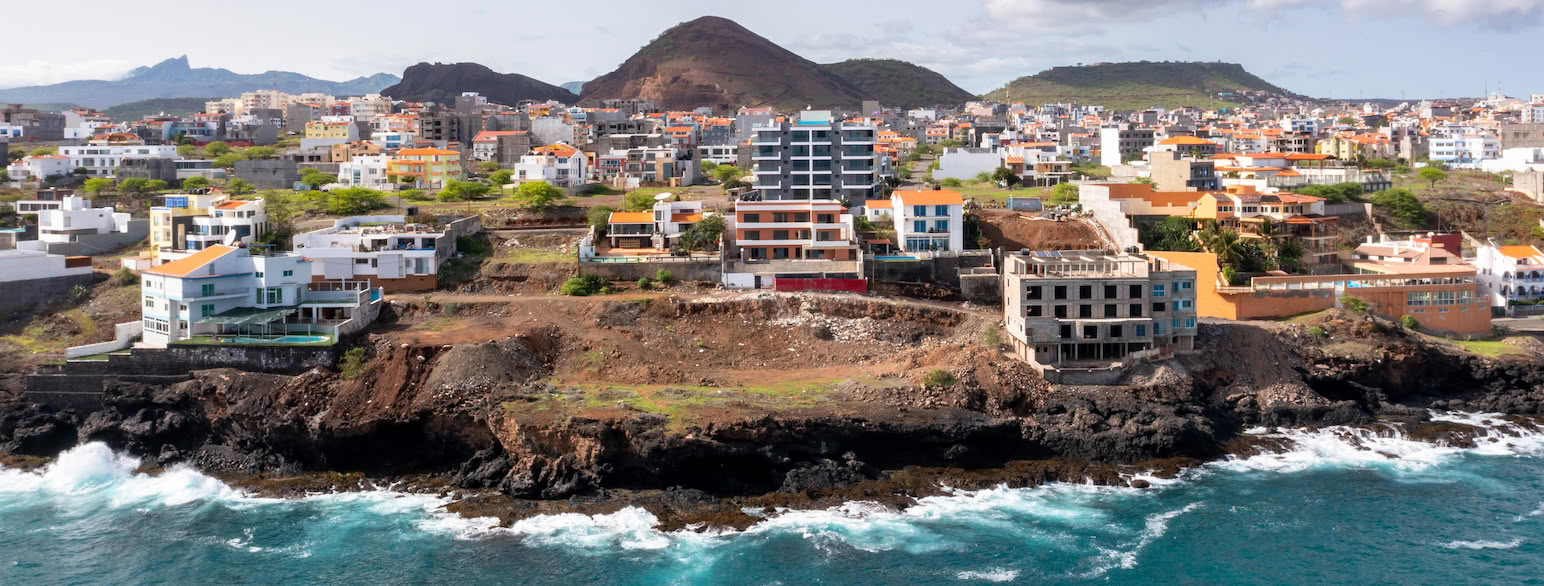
column 1385, row 445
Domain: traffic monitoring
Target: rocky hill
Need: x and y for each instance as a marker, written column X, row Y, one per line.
column 174, row 78
column 1141, row 84
column 442, row 82
column 715, row 62
column 897, row 83
column 168, row 106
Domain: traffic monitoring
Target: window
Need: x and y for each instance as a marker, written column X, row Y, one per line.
column 1186, row 304
column 1085, row 311
column 1085, row 291
column 1035, row 311
column 919, row 226
column 289, row 273
column 1034, row 292
column 361, row 261
column 940, row 210
column 1061, row 311
column 1136, row 291
column 1066, row 332
column 919, row 211
column 1185, row 285
column 1174, row 323
column 1158, row 290
column 1157, row 328
column 1117, row 332
column 1090, row 332
column 1111, row 291
column 148, row 302
column 752, row 217
column 1060, row 292
column 1109, row 310
column 206, row 290
column 206, row 310
column 274, row 296
column 259, row 274
column 1190, row 322
column 779, row 234
column 753, row 235
column 1136, row 310
column 941, row 225
column 1141, row 330
column 1160, row 307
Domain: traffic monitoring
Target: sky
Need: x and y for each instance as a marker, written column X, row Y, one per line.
column 1323, row 48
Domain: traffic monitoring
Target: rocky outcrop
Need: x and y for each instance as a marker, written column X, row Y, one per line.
column 443, row 82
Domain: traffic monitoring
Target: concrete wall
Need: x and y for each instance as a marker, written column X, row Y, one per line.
column 981, row 285
column 21, row 295
column 1530, row 183
column 180, row 359
column 124, row 335
column 706, row 270
column 938, row 269
column 94, row 244
column 1348, row 209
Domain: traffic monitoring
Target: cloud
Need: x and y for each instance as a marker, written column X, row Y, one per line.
column 1505, row 15
column 38, row 72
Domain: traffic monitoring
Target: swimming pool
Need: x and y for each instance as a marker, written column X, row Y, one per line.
column 895, row 258
column 280, row 340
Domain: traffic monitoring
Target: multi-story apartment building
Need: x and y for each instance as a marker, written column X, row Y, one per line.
column 815, row 158
column 1084, row 310
column 1173, row 172
column 928, row 220
column 103, row 160
column 1510, row 273
column 225, row 288
column 383, row 250
column 173, row 219
column 725, row 154
column 365, row 171
column 1465, row 150
column 426, row 167
column 1123, row 142
column 793, row 229
column 228, row 222
column 504, row 147
column 558, row 164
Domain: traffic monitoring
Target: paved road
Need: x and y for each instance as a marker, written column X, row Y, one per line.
column 1531, row 325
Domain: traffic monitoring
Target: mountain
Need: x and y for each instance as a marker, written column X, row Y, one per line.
column 715, row 62
column 442, row 82
column 573, row 86
column 173, row 78
column 170, row 106
column 897, row 83
column 1138, row 85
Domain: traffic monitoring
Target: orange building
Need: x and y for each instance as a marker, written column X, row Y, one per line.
column 793, row 229
column 425, row 167
column 1441, row 297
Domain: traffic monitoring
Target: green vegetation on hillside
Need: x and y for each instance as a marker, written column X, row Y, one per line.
column 1136, row 85
column 170, row 106
column 897, row 83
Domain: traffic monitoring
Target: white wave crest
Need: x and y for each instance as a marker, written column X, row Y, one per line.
column 1386, row 445
column 629, row 528
column 991, row 575
column 1483, row 544
column 1125, row 557
column 93, row 471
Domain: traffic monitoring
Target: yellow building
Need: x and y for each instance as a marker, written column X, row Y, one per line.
column 165, row 230
column 426, row 167
column 320, row 129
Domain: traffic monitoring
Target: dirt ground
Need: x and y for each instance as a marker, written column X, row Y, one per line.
column 1014, row 230
column 41, row 334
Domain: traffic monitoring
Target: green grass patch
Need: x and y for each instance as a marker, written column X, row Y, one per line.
column 1309, row 318
column 685, row 406
column 991, row 192
column 531, row 256
column 1489, row 348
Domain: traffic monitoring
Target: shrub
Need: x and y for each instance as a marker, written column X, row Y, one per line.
column 644, row 283
column 353, row 363
column 78, row 293
column 950, row 182
column 990, row 338
column 584, row 285
column 414, row 195
column 938, row 379
column 1317, row 332
column 124, row 276
column 450, row 308
column 1409, row 321
column 1353, row 303
column 599, row 218
column 663, row 276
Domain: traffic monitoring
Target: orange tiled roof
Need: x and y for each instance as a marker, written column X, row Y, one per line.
column 930, row 197
column 1520, row 251
column 631, row 218
column 183, row 266
column 685, row 218
column 427, row 151
column 231, row 205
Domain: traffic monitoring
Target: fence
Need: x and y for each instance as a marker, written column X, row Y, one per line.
column 793, row 284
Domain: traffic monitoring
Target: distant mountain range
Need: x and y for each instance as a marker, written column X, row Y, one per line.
column 1139, row 85
column 173, row 78
column 442, row 82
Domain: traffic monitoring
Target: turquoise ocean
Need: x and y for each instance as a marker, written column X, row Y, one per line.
column 1345, row 506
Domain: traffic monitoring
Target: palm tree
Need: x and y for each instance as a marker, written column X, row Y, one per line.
column 1228, row 247
column 1289, row 255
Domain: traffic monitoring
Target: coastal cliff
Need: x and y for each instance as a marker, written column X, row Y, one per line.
column 519, row 426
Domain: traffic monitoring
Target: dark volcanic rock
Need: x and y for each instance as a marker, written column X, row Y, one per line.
column 442, row 82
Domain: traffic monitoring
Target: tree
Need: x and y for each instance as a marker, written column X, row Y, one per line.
column 1228, row 247
column 1172, row 233
column 81, row 171
column 354, row 200
column 195, row 183
column 1347, row 120
column 707, row 166
column 315, row 179
column 5, row 176
column 227, row 160
column 133, row 185
column 15, row 155
column 280, row 212
column 42, row 151
column 1007, row 176
column 1289, row 256
column 725, row 173
column 638, row 201
column 1432, row 175
column 487, row 166
column 240, row 186
column 187, row 151
column 216, row 148
column 500, row 177
column 1064, row 194
column 259, row 152
column 1337, row 193
column 1144, row 181
column 155, row 185
column 1403, row 206
column 949, row 143
column 460, row 191
column 983, row 177
column 539, row 195
column 733, row 184
column 414, row 195
column 95, row 185
column 704, row 234
column 599, row 218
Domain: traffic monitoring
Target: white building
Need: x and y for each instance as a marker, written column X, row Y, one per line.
column 660, row 228
column 380, row 249
column 1516, row 160
column 391, row 139
column 928, row 220
column 75, row 217
column 558, row 164
column 26, row 265
column 39, row 167
column 227, row 290
column 1465, row 151
column 724, row 154
column 368, row 107
column 364, row 171
column 966, row 163
column 1509, row 273
column 228, row 223
column 103, row 160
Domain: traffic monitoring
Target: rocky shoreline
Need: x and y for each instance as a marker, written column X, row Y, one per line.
column 485, row 423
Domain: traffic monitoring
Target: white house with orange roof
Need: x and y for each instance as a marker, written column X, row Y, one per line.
column 1510, row 273
column 227, row 290
column 929, row 220
column 559, row 164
